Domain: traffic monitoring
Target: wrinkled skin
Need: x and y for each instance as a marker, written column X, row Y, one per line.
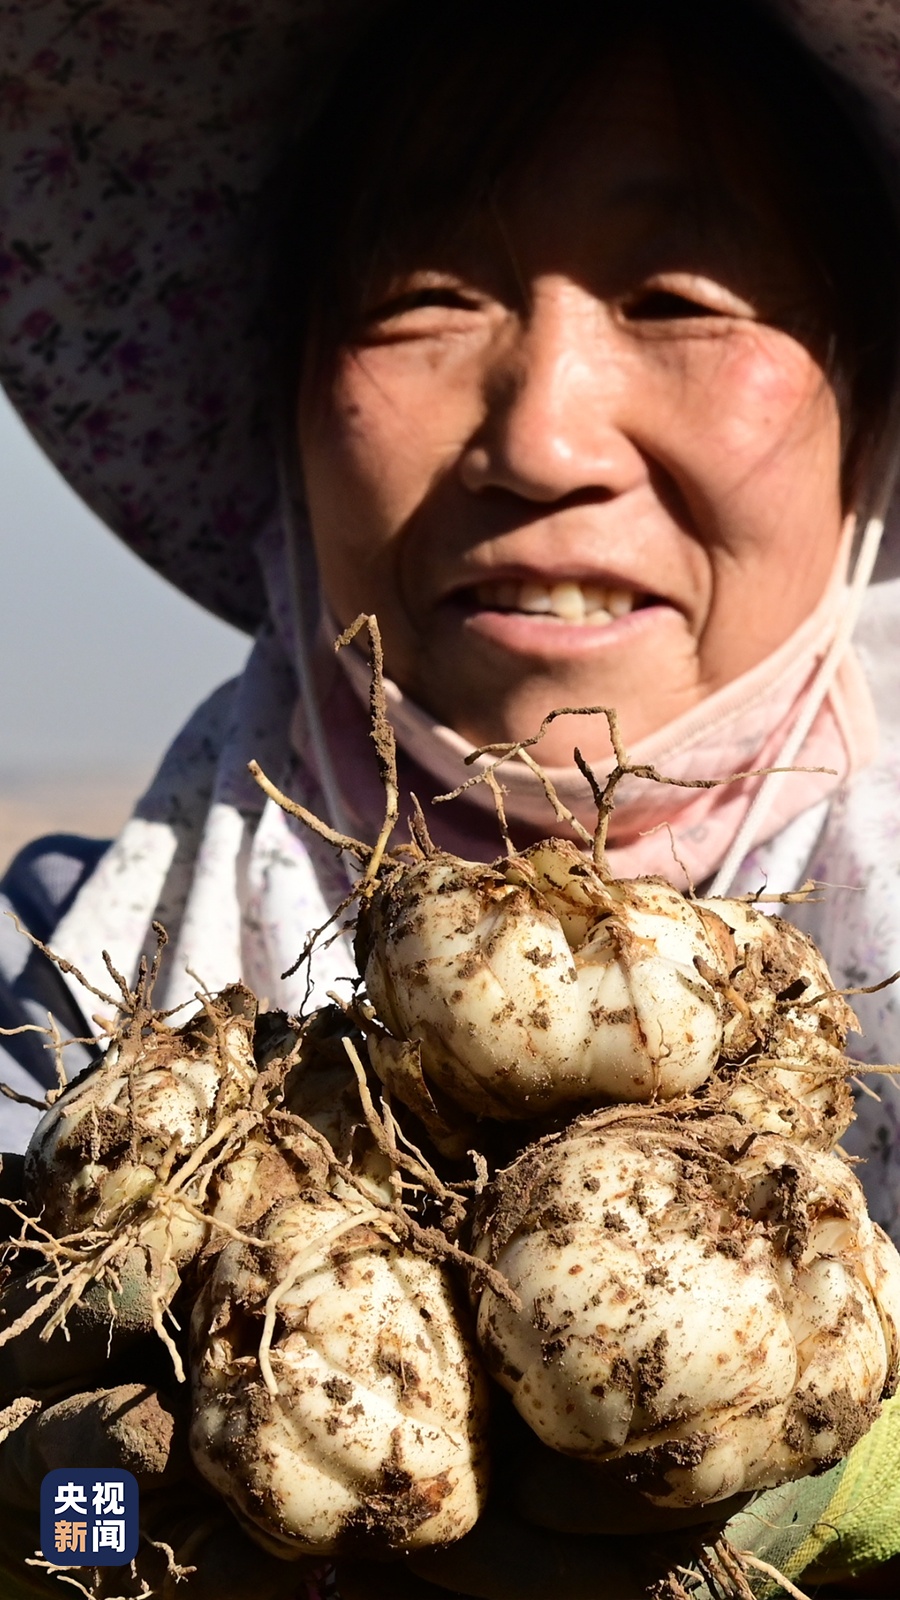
column 604, row 380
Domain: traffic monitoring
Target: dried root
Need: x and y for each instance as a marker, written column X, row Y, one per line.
column 721, row 1572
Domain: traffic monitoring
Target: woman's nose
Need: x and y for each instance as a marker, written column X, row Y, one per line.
column 558, row 388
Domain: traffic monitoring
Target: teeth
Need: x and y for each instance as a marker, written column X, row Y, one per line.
column 595, row 598
column 619, row 602
column 569, row 600
column 534, row 597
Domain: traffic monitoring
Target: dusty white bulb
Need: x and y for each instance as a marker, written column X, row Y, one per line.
column 712, row 1306
column 339, row 1400
column 536, row 984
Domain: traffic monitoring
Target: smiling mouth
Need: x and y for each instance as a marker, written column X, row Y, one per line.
column 567, row 600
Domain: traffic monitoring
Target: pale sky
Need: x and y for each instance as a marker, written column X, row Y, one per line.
column 101, row 661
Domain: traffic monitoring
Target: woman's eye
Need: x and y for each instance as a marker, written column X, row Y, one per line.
column 663, row 305
column 418, row 300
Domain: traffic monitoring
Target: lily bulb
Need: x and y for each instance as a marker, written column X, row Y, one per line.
column 535, row 983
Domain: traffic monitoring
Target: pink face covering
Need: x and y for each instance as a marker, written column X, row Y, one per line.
column 682, row 834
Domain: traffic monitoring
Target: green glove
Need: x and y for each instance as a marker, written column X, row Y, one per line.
column 859, row 1528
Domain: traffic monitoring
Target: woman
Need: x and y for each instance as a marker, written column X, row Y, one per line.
column 586, row 328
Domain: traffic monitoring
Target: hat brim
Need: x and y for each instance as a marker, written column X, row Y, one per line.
column 134, row 139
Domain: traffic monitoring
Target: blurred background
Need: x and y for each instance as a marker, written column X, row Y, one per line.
column 101, row 661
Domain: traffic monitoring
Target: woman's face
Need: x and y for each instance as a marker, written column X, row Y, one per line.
column 584, row 453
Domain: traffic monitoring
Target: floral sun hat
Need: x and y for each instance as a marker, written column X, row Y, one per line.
column 134, row 138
